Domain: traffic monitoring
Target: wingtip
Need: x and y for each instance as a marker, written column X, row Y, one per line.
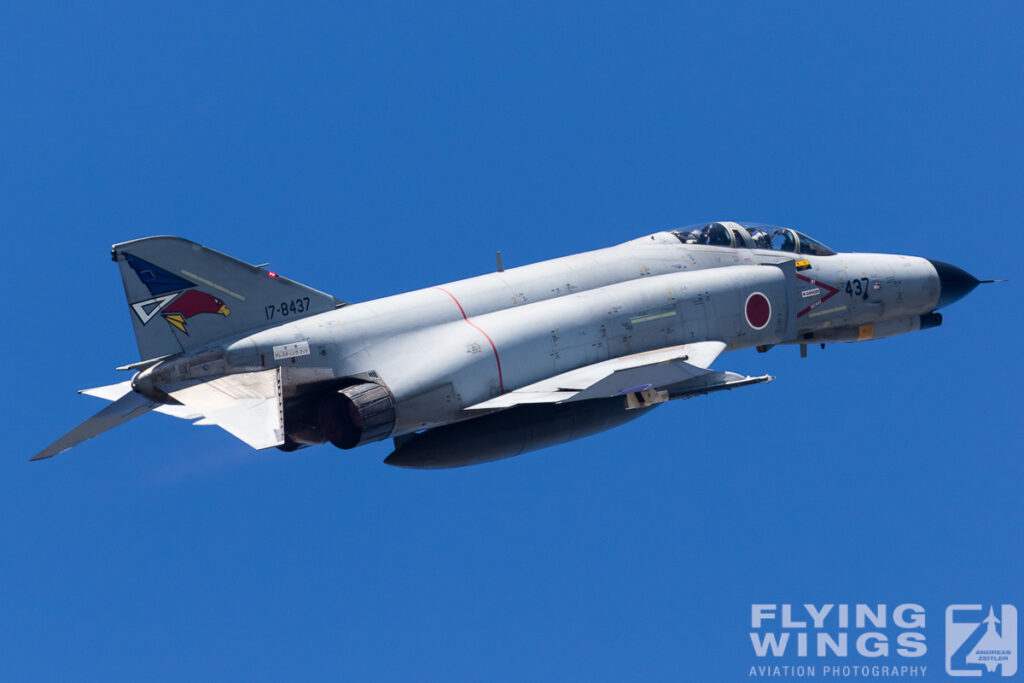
column 43, row 455
column 49, row 452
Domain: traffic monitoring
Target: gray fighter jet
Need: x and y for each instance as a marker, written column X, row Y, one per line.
column 496, row 365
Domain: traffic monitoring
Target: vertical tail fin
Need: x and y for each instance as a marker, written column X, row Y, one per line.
column 182, row 295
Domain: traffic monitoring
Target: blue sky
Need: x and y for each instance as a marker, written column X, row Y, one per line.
column 371, row 149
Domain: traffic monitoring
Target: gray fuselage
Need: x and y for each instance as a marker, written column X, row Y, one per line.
column 442, row 349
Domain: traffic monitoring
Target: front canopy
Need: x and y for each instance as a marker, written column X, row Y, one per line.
column 751, row 236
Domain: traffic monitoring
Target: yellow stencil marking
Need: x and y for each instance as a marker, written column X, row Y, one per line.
column 212, row 284
column 826, row 312
column 649, row 318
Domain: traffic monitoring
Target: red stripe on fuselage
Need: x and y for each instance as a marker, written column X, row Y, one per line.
column 501, row 382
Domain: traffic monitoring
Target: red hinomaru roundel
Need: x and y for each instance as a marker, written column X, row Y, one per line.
column 758, row 310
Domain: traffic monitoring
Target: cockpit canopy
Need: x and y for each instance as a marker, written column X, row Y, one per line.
column 751, row 236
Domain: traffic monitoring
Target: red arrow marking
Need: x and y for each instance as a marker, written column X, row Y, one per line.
column 832, row 291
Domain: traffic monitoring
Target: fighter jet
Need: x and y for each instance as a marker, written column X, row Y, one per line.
column 500, row 364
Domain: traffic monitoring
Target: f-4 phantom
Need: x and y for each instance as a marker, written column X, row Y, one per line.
column 500, row 364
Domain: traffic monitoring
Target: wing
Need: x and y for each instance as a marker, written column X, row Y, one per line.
column 248, row 405
column 676, row 371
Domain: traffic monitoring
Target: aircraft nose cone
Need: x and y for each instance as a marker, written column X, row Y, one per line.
column 954, row 283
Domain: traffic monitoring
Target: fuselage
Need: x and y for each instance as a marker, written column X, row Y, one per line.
column 442, row 349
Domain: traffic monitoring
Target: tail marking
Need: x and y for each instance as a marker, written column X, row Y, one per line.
column 156, row 279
